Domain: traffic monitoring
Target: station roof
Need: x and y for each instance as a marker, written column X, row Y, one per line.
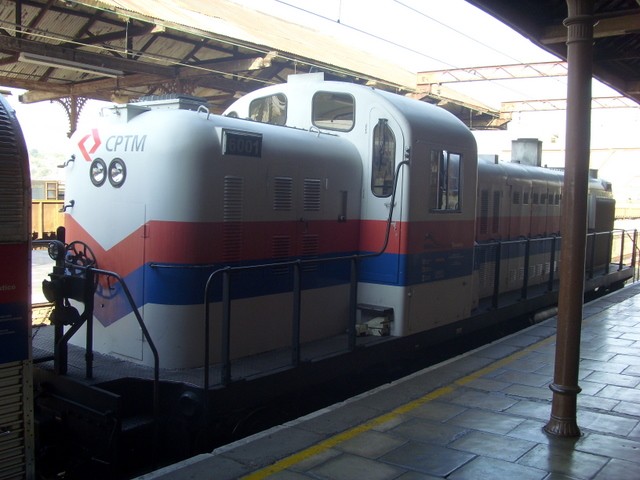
column 616, row 49
column 115, row 50
column 118, row 50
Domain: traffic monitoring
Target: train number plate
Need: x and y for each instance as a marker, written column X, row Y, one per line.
column 241, row 143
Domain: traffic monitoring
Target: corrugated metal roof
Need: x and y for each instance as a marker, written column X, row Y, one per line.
column 223, row 19
column 219, row 50
column 216, row 49
column 616, row 47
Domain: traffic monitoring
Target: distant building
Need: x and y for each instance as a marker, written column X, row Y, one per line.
column 47, row 190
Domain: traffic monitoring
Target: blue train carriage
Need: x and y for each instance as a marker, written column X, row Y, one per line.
column 422, row 277
column 16, row 393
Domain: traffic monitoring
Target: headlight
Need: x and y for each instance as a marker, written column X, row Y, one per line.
column 98, row 172
column 117, row 172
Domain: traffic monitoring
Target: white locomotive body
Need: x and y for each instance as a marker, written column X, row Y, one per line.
column 200, row 192
column 166, row 193
column 315, row 234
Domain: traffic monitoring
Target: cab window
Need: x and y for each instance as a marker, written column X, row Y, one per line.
column 383, row 159
column 333, row 111
column 271, row 109
column 445, row 181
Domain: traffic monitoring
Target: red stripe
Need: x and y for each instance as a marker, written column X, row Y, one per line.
column 122, row 258
column 443, row 235
column 203, row 243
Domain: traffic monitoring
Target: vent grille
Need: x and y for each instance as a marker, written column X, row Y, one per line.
column 310, row 245
column 280, row 246
column 280, row 250
column 495, row 224
column 283, row 193
column 312, row 188
column 484, row 211
column 13, row 449
column 232, row 218
column 310, row 249
column 516, row 198
column 14, row 216
column 233, row 196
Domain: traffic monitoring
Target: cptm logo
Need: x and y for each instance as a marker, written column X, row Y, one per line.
column 89, row 144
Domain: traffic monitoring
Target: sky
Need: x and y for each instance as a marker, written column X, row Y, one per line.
column 423, row 35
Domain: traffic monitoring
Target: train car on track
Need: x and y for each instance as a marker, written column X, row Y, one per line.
column 216, row 262
column 16, row 393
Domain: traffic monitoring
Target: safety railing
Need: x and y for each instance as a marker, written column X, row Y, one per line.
column 535, row 261
column 87, row 276
column 226, row 273
column 604, row 251
column 297, row 266
column 145, row 333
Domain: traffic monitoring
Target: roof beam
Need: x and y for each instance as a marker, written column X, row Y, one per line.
column 609, row 26
column 496, row 72
column 443, row 95
column 561, row 104
column 13, row 44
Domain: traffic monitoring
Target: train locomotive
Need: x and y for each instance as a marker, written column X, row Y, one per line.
column 366, row 217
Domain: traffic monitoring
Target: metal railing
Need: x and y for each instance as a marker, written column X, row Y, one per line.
column 296, row 265
column 61, row 338
column 600, row 256
column 297, row 295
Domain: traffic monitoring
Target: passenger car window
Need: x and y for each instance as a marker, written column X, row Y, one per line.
column 333, row 111
column 271, row 109
column 445, row 180
column 383, row 161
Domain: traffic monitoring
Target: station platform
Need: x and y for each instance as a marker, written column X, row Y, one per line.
column 478, row 416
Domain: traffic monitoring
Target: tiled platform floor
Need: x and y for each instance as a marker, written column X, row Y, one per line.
column 477, row 417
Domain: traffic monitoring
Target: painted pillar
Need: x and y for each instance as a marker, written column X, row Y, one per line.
column 574, row 217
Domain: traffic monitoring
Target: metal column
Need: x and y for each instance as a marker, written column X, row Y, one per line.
column 574, row 214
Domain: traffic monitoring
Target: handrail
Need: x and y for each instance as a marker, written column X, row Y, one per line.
column 226, row 271
column 589, row 264
column 297, row 263
column 156, row 358
column 154, row 351
column 147, row 336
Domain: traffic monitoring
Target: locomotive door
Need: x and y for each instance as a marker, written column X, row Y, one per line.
column 126, row 256
column 386, row 150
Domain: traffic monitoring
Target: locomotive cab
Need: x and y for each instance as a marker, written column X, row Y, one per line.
column 418, row 193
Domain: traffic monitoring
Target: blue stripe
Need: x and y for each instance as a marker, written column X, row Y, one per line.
column 437, row 266
column 509, row 251
column 14, row 343
column 185, row 285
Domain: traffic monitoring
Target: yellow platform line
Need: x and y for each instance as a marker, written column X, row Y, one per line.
column 331, row 442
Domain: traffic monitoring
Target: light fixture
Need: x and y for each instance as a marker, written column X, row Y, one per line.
column 98, row 172
column 68, row 64
column 117, row 172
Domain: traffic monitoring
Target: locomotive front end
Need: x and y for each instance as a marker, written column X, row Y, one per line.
column 164, row 196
